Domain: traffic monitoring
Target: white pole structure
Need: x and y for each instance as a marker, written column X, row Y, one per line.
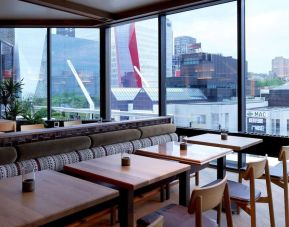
column 142, row 78
column 82, row 87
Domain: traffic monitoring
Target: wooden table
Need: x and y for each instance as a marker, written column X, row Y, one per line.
column 195, row 155
column 56, row 196
column 143, row 172
column 236, row 143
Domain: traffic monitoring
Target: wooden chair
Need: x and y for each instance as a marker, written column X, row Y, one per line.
column 7, row 126
column 70, row 123
column 279, row 176
column 31, row 127
column 202, row 199
column 246, row 197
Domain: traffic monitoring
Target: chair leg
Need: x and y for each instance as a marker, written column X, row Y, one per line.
column 253, row 213
column 270, row 203
column 219, row 212
column 286, row 203
column 227, row 203
column 252, row 199
column 197, row 178
column 240, row 181
column 269, row 195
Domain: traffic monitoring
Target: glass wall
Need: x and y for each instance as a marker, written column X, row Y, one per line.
column 202, row 67
column 75, row 73
column 23, row 57
column 267, row 54
column 134, row 70
column 201, row 72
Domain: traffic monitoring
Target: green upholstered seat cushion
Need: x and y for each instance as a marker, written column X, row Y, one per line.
column 52, row 147
column 120, row 136
column 155, row 130
column 7, row 155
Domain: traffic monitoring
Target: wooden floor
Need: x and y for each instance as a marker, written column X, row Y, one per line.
column 206, row 176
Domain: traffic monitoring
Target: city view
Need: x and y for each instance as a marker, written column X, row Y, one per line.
column 201, row 68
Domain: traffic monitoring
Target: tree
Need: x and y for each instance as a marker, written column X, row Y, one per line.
column 9, row 94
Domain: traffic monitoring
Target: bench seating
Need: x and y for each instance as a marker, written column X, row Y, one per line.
column 54, row 154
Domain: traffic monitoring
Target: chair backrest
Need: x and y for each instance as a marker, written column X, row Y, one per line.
column 210, row 197
column 31, row 127
column 7, row 126
column 257, row 168
column 70, row 123
column 159, row 222
column 284, row 153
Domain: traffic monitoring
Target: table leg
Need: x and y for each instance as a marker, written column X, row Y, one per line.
column 125, row 211
column 184, row 188
column 221, row 167
column 241, row 160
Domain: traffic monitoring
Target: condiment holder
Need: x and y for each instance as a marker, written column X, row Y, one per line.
column 224, row 135
column 125, row 159
column 183, row 146
column 28, row 180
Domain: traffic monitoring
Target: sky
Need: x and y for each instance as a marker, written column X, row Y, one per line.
column 267, row 34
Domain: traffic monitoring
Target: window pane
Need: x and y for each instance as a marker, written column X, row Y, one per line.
column 23, row 56
column 267, row 54
column 202, row 67
column 134, row 70
column 75, row 73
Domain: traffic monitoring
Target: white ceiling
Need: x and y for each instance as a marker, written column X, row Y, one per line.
column 14, row 9
column 81, row 12
column 117, row 6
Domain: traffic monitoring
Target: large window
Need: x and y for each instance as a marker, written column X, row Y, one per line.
column 134, row 70
column 267, row 54
column 23, row 57
column 202, row 67
column 75, row 73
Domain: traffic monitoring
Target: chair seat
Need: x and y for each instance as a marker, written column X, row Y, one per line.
column 175, row 215
column 241, row 192
column 277, row 171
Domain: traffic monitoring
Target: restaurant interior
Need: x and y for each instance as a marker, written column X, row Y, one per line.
column 144, row 113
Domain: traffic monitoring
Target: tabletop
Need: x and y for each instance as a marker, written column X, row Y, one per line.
column 237, row 143
column 56, row 196
column 194, row 154
column 142, row 171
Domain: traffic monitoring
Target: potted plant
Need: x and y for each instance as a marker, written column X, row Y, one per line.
column 31, row 116
column 9, row 95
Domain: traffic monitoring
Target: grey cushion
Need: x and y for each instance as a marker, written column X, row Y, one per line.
column 85, row 154
column 30, row 166
column 7, row 155
column 160, row 139
column 9, row 170
column 52, row 147
column 174, row 137
column 156, row 130
column 98, row 152
column 57, row 162
column 119, row 148
column 106, row 138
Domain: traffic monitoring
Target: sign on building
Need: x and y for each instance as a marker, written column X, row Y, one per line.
column 256, row 125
